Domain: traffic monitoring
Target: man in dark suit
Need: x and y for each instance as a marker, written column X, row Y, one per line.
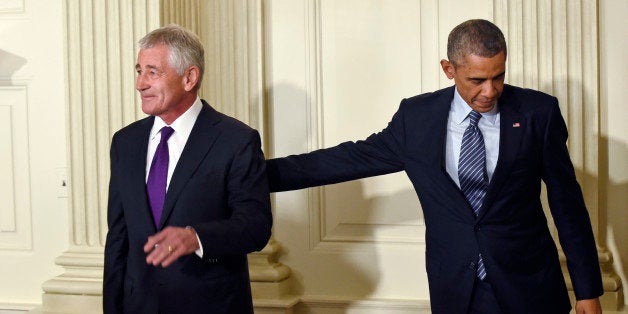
column 188, row 195
column 476, row 153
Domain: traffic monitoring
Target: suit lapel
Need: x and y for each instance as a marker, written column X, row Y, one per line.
column 441, row 120
column 136, row 172
column 427, row 134
column 512, row 128
column 201, row 139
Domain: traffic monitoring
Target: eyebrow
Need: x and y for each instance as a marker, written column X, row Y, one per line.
column 486, row 78
column 153, row 67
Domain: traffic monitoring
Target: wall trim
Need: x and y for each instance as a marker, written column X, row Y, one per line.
column 321, row 303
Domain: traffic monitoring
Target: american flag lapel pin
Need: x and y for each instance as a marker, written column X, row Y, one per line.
column 516, row 125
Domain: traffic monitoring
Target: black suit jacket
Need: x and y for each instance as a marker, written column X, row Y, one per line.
column 218, row 187
column 511, row 229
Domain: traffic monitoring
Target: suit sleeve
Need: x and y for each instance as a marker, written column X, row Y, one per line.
column 249, row 226
column 116, row 246
column 569, row 211
column 380, row 153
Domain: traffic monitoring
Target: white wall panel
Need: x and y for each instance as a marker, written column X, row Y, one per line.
column 12, row 6
column 15, row 208
column 7, row 210
column 32, row 149
column 369, row 58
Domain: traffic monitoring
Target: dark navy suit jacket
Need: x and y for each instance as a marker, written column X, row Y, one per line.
column 218, row 187
column 511, row 229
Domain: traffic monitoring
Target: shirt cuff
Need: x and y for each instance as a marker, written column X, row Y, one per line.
column 199, row 251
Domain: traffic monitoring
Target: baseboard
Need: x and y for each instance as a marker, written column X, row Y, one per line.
column 329, row 305
column 17, row 307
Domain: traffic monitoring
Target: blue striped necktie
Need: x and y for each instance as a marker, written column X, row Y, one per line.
column 472, row 171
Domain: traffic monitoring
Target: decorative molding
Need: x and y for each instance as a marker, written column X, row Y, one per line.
column 346, row 232
column 18, row 306
column 12, row 6
column 316, row 195
column 101, row 49
column 7, row 190
column 430, row 30
column 376, row 232
column 15, row 210
column 232, row 33
column 269, row 278
column 325, row 304
column 183, row 13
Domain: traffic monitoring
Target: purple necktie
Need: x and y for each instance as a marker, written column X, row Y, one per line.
column 158, row 175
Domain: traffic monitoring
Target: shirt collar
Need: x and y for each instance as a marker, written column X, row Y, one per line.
column 183, row 124
column 460, row 110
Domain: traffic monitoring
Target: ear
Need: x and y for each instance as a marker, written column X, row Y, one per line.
column 191, row 77
column 448, row 68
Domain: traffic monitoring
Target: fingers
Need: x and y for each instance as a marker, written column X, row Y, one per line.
column 154, row 240
column 158, row 255
column 168, row 245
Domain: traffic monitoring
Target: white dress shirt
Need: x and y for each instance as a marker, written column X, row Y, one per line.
column 182, row 127
column 457, row 123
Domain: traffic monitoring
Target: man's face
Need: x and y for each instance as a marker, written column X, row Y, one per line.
column 480, row 80
column 161, row 88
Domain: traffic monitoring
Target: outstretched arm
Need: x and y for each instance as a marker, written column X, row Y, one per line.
column 380, row 153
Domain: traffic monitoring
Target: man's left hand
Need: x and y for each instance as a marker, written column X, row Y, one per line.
column 166, row 246
column 589, row 306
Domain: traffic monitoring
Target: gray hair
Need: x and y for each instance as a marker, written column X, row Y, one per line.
column 478, row 37
column 185, row 48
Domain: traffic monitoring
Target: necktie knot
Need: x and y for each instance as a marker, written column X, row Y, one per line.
column 474, row 117
column 166, row 132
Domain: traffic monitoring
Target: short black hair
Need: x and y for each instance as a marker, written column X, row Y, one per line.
column 478, row 37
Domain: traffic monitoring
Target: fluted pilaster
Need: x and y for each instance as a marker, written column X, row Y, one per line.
column 101, row 45
column 553, row 47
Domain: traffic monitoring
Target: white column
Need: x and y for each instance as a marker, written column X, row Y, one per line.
column 101, row 45
column 553, row 47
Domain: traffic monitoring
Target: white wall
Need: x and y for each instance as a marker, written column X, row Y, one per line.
column 614, row 102
column 33, row 218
